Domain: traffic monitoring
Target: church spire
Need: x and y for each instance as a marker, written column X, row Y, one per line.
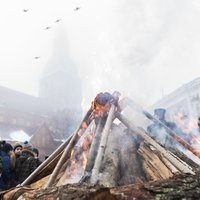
column 60, row 77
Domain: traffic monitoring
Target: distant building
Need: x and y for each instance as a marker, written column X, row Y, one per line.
column 59, row 101
column 43, row 139
column 60, row 84
column 185, row 100
column 21, row 111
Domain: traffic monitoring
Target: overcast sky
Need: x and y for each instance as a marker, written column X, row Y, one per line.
column 142, row 48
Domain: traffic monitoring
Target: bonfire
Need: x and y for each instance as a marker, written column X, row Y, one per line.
column 109, row 157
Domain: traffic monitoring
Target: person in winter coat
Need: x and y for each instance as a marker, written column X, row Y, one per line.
column 36, row 154
column 156, row 131
column 17, row 148
column 7, row 151
column 2, row 185
column 26, row 165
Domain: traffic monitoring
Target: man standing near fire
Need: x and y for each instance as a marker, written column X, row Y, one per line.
column 157, row 132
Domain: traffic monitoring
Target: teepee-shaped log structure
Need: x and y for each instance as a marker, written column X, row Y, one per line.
column 103, row 152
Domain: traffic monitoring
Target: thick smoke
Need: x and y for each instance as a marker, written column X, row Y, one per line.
column 143, row 49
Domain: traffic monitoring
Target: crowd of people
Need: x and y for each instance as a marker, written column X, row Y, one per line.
column 17, row 162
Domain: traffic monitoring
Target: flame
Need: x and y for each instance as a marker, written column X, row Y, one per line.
column 196, row 139
column 189, row 130
column 82, row 129
column 85, row 156
column 80, row 153
column 186, row 123
column 78, row 159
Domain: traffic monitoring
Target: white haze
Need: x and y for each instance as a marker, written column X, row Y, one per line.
column 144, row 49
column 20, row 136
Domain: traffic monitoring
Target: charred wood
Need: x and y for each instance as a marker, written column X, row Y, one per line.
column 70, row 192
column 179, row 187
column 130, row 167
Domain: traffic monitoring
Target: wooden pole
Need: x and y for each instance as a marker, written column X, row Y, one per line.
column 69, row 147
column 168, row 130
column 94, row 148
column 102, row 147
column 183, row 167
column 92, row 153
column 61, row 160
column 48, row 160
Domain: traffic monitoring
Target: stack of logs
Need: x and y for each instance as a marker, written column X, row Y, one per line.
column 119, row 155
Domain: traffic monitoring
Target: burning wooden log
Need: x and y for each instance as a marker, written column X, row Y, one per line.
column 101, row 105
column 183, row 167
column 58, row 152
column 92, row 153
column 97, row 164
column 168, row 130
column 69, row 147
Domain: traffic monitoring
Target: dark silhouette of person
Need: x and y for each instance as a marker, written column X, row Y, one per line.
column 157, row 131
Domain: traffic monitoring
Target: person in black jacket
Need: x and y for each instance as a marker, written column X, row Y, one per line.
column 6, row 152
column 157, row 131
column 36, row 154
column 26, row 165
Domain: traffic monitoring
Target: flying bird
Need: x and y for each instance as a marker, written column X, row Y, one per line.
column 36, row 57
column 25, row 10
column 48, row 27
column 77, row 8
column 57, row 20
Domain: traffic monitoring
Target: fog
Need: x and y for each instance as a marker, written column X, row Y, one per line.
column 143, row 49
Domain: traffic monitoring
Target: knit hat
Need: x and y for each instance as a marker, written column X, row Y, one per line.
column 16, row 145
column 35, row 150
column 7, row 147
column 27, row 145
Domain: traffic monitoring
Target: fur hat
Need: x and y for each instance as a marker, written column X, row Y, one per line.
column 7, row 147
column 16, row 145
column 27, row 153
